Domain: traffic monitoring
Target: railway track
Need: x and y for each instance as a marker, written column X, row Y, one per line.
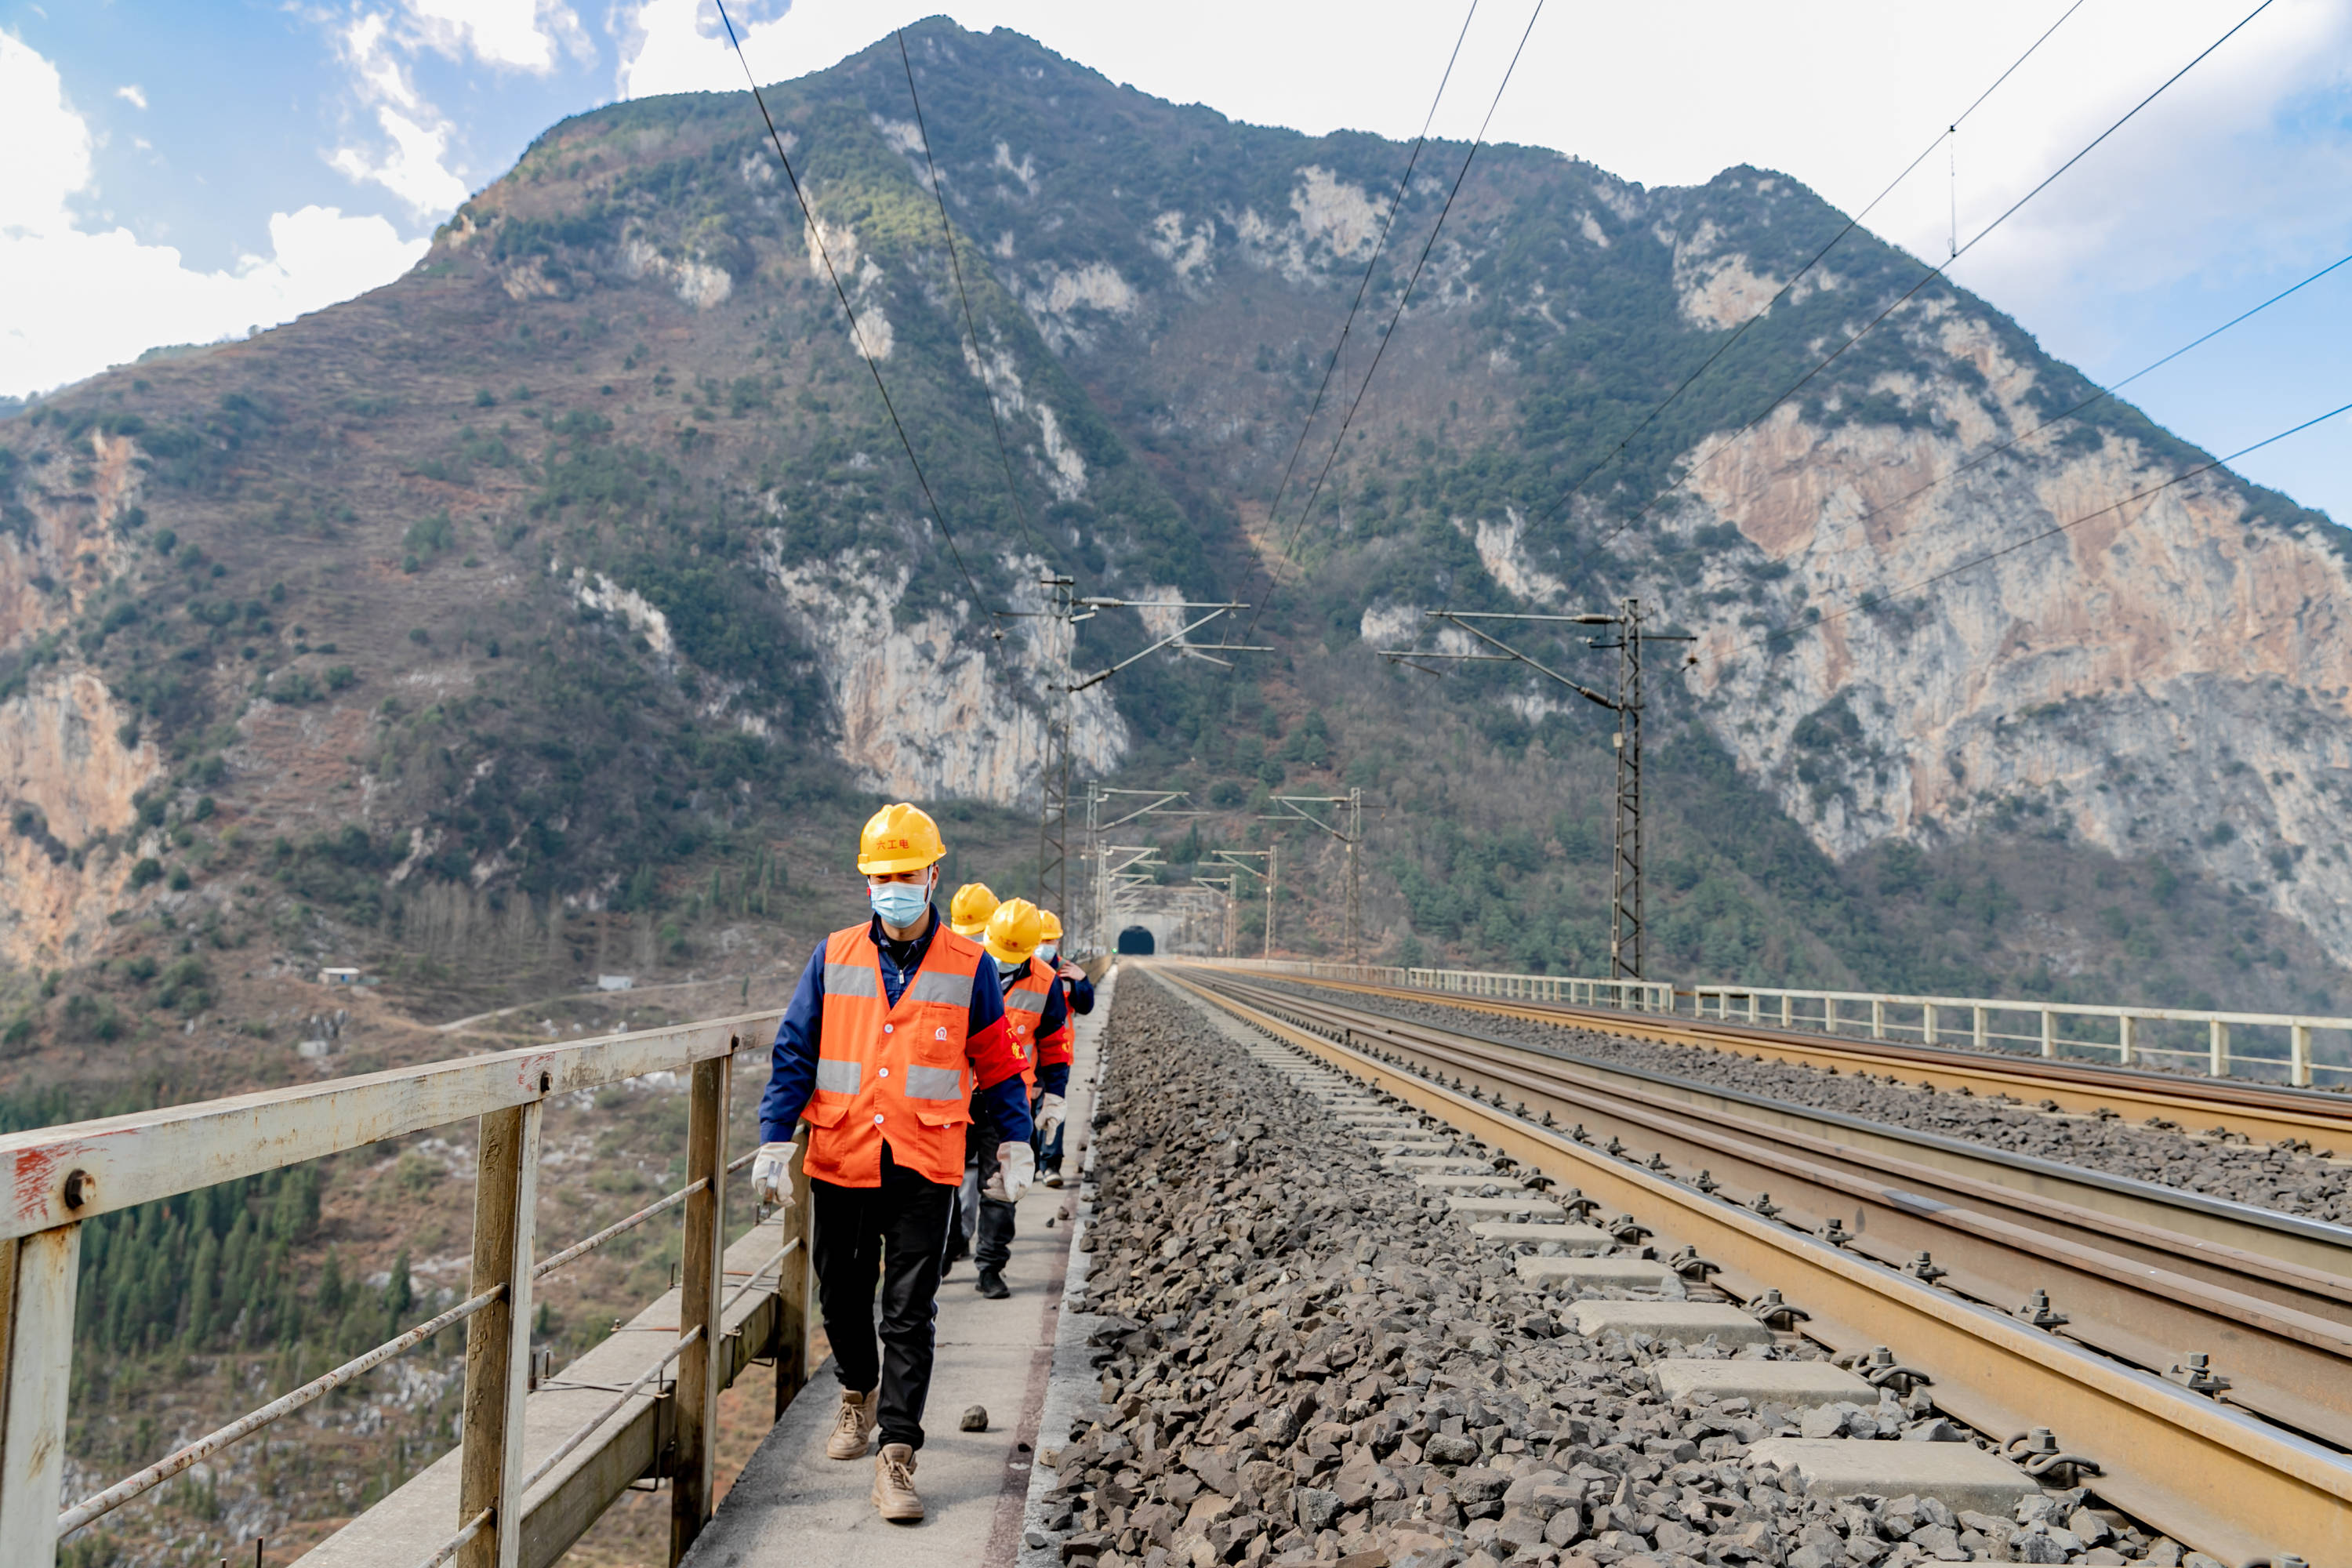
column 2265, row 1112
column 2201, row 1376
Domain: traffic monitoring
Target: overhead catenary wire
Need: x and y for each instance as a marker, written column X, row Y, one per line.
column 1930, row 275
column 946, row 237
column 856, row 332
column 2145, row 493
column 1363, row 284
column 1951, row 130
column 1307, row 509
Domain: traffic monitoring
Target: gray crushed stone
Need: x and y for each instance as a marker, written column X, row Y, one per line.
column 1309, row 1359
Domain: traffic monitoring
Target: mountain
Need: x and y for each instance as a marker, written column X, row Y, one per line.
column 565, row 602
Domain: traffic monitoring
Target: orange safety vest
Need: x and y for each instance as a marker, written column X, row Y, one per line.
column 896, row 1073
column 1024, row 1014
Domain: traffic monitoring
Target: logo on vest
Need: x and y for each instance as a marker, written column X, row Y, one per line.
column 939, row 1034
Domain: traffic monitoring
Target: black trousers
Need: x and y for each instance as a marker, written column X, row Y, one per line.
column 988, row 1224
column 897, row 1230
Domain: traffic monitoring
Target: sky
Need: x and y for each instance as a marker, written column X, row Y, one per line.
column 191, row 171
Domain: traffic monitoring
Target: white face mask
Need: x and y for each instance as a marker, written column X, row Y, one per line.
column 1046, row 951
column 901, row 904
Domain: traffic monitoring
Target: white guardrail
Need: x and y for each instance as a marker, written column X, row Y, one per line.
column 2284, row 1045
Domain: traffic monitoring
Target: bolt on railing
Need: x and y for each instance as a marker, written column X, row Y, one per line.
column 62, row 1177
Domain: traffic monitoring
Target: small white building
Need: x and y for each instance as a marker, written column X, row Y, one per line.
column 339, row 977
column 617, row 982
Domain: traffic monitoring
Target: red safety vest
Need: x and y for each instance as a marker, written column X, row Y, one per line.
column 1024, row 1013
column 900, row 1073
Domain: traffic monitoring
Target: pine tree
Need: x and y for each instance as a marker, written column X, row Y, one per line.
column 399, row 1295
column 331, row 1286
column 204, row 1286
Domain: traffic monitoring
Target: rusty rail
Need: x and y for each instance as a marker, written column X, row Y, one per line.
column 1951, row 1022
column 2290, row 1365
column 2257, row 1110
column 2236, row 1486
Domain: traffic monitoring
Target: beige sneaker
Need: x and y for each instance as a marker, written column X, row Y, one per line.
column 894, row 1485
column 853, row 1428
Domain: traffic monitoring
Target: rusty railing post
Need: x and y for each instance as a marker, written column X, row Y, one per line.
column 792, row 1278
column 695, row 1436
column 37, row 1276
column 497, row 1338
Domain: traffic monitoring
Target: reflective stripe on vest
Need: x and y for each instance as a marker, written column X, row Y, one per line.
column 894, row 1073
column 852, row 980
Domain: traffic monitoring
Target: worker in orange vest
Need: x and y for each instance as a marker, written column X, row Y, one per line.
column 1039, row 1024
column 968, row 914
column 1079, row 996
column 894, row 1040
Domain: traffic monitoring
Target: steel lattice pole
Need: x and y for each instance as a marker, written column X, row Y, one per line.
column 1626, row 930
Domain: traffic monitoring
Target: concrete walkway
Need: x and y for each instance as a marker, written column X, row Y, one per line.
column 793, row 1505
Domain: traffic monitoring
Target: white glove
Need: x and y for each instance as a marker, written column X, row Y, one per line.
column 1016, row 1167
column 1049, row 1117
column 771, row 1174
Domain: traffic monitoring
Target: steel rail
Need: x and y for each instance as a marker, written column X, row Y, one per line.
column 2228, row 1483
column 2287, row 1258
column 101, row 1504
column 2267, row 1112
column 2289, row 1365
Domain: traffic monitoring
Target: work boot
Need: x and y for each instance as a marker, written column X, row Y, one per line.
column 895, row 1497
column 1054, row 1175
column 991, row 1284
column 853, row 1428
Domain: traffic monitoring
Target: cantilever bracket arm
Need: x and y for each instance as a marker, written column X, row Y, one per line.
column 1299, row 813
column 1177, row 636
column 1150, row 809
column 1456, row 618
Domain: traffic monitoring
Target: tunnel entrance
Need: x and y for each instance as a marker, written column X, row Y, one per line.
column 1136, row 939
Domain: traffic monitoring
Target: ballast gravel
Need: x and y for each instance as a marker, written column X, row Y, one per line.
column 2267, row 1177
column 1306, row 1358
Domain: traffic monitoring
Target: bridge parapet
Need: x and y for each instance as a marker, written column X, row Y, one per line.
column 533, row 1469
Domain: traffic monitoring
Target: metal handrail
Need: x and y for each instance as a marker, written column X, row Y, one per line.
column 546, row 1466
column 103, row 1503
column 99, row 1506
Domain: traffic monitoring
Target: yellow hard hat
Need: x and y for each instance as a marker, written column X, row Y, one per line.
column 968, row 913
column 1050, row 926
column 898, row 838
column 1014, row 932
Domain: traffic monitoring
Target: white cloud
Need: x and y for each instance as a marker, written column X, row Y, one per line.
column 411, row 163
column 680, row 45
column 73, row 303
column 49, row 144
column 510, row 34
column 133, row 94
column 412, row 169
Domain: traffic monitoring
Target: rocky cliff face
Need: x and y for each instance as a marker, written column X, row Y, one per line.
column 2163, row 675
